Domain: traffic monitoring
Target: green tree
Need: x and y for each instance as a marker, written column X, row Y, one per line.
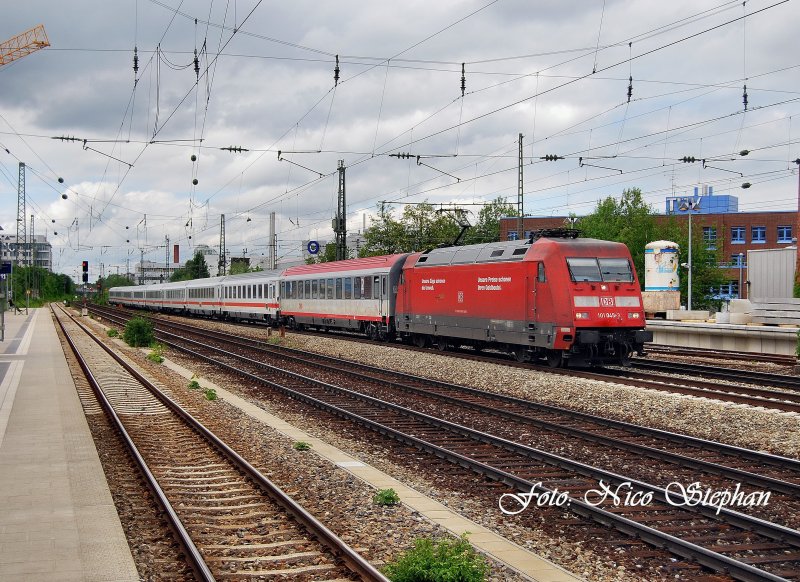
column 423, row 226
column 628, row 220
column 487, row 227
column 44, row 285
column 195, row 268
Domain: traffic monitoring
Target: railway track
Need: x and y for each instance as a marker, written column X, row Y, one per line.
column 784, row 360
column 749, row 548
column 231, row 521
column 770, row 390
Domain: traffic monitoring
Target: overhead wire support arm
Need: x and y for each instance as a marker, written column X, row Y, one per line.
column 421, row 163
column 581, row 164
column 705, row 165
column 280, row 159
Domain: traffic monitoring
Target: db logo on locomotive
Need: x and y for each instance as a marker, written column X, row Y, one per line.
column 607, row 302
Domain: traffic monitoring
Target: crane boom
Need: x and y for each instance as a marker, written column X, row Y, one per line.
column 23, row 44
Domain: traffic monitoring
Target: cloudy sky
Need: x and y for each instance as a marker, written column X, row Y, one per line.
column 556, row 72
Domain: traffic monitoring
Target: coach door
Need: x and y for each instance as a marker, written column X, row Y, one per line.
column 384, row 296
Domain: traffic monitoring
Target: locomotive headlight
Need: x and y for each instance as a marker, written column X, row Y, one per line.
column 603, row 287
column 633, row 315
column 582, row 315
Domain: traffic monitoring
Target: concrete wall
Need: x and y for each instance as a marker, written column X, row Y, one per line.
column 745, row 338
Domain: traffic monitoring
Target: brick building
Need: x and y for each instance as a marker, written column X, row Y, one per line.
column 724, row 229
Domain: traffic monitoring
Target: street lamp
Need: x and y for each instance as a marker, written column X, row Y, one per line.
column 741, row 264
column 689, row 205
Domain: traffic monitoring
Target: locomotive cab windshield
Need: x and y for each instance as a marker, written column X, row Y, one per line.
column 593, row 270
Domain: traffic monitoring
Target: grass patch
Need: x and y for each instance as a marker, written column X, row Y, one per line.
column 446, row 560
column 139, row 332
column 275, row 340
column 301, row 446
column 194, row 385
column 112, row 332
column 386, row 497
column 210, row 394
column 157, row 353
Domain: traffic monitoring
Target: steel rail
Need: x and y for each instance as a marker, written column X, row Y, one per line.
column 730, row 393
column 678, row 546
column 783, row 359
column 658, row 454
column 342, row 550
column 193, row 557
column 716, row 468
column 760, row 378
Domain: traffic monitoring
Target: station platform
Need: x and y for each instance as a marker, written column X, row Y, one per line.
column 763, row 339
column 57, row 517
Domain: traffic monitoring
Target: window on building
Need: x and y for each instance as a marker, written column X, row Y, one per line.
column 512, row 235
column 759, row 234
column 738, row 235
column 784, row 234
column 738, row 260
column 710, row 237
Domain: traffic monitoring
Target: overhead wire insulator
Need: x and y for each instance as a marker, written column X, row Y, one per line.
column 463, row 80
column 744, row 97
column 135, row 61
column 630, row 88
column 551, row 158
column 688, row 159
column 196, row 65
column 336, row 73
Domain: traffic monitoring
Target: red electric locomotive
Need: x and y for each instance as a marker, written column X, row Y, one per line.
column 556, row 296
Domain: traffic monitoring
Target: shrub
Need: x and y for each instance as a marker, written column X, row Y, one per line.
column 139, row 332
column 301, row 446
column 112, row 332
column 439, row 561
column 386, row 497
column 210, row 394
column 194, row 385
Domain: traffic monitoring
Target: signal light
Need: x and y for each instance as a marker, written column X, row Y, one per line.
column 85, row 268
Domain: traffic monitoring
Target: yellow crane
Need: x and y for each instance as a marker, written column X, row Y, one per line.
column 23, row 44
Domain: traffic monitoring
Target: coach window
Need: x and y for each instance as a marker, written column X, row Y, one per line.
column 376, row 287
column 330, row 288
column 348, row 288
column 541, row 277
column 357, row 288
column 308, row 289
column 383, row 286
column 338, row 287
column 367, row 291
column 301, row 292
column 314, row 289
